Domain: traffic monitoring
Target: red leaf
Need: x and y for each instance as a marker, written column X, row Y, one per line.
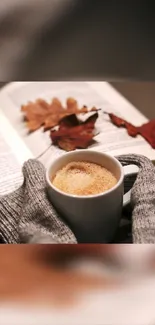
column 132, row 130
column 73, row 133
column 68, row 121
column 147, row 130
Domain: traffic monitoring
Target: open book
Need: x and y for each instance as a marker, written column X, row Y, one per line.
column 16, row 145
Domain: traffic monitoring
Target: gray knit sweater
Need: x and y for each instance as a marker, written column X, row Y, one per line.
column 27, row 216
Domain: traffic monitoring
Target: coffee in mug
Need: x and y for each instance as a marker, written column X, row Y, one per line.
column 83, row 178
column 90, row 206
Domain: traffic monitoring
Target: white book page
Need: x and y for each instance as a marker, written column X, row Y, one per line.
column 110, row 139
column 13, row 153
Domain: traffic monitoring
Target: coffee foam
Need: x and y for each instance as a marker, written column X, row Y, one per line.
column 84, row 178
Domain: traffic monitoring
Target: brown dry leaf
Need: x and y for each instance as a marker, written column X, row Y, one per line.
column 48, row 115
column 73, row 133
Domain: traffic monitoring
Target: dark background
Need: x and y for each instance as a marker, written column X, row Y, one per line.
column 99, row 39
column 90, row 40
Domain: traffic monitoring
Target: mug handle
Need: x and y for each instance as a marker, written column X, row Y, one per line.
column 129, row 170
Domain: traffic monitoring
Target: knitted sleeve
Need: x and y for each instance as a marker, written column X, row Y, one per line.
column 142, row 199
column 27, row 215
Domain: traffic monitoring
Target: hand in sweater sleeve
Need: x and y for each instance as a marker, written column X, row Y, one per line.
column 27, row 216
column 142, row 199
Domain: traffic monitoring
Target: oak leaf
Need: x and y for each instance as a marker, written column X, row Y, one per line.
column 41, row 113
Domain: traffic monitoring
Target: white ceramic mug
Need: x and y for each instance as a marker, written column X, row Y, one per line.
column 93, row 218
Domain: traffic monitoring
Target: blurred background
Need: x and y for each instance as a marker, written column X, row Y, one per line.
column 77, row 39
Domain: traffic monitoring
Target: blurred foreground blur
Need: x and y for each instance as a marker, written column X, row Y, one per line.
column 45, row 273
column 66, row 279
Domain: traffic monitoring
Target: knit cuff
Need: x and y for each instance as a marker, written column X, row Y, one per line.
column 10, row 213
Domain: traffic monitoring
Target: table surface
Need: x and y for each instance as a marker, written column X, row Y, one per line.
column 140, row 94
